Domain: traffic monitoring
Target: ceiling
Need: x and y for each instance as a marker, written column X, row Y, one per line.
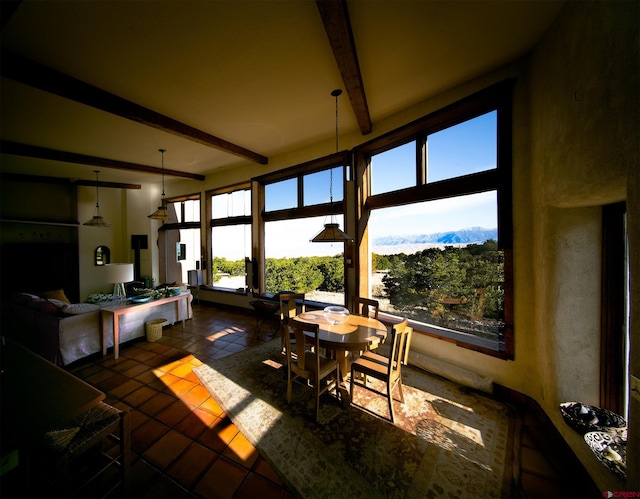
column 254, row 77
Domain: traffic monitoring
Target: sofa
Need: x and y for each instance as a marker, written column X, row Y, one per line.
column 64, row 332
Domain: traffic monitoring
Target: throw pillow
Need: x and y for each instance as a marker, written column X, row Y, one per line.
column 43, row 306
column 57, row 294
column 24, row 298
column 58, row 303
column 79, row 308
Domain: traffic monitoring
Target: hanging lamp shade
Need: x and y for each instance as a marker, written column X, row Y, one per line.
column 161, row 213
column 331, row 232
column 97, row 220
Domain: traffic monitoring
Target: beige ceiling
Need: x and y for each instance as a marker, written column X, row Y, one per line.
column 257, row 74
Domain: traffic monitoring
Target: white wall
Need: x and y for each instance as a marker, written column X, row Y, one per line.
column 126, row 210
column 92, row 279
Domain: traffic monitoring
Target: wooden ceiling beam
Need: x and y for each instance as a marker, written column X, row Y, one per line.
column 22, row 177
column 113, row 185
column 34, row 74
column 335, row 18
column 17, row 149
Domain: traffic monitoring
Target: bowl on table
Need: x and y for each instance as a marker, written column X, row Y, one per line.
column 336, row 315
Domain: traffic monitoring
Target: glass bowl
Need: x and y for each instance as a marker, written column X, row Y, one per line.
column 336, row 315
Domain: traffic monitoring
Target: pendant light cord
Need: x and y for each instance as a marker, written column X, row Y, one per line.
column 97, row 191
column 162, row 151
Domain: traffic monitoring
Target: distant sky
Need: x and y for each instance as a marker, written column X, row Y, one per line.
column 476, row 210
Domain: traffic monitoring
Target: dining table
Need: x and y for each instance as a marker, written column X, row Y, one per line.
column 357, row 333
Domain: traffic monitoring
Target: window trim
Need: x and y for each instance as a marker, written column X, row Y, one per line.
column 498, row 97
column 612, row 308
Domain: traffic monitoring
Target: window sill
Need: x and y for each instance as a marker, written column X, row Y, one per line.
column 234, row 291
column 460, row 339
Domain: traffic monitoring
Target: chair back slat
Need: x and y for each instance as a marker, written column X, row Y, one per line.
column 398, row 354
column 365, row 307
column 291, row 304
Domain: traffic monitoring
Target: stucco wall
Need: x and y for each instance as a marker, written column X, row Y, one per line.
column 584, row 145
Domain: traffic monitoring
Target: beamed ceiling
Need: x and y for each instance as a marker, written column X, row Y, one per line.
column 103, row 85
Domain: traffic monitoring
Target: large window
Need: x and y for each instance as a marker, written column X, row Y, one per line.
column 230, row 237
column 438, row 212
column 296, row 208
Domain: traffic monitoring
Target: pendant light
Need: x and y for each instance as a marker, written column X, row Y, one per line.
column 97, row 220
column 161, row 212
column 331, row 232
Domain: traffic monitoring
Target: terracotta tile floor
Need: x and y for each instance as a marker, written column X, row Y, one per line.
column 183, row 443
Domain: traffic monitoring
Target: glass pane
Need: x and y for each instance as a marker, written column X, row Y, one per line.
column 462, row 149
column 190, row 238
column 191, row 210
column 231, row 204
column 438, row 263
column 281, row 195
column 295, row 264
column 230, row 245
column 394, row 169
column 321, row 187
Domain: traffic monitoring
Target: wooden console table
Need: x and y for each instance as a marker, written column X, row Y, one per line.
column 119, row 310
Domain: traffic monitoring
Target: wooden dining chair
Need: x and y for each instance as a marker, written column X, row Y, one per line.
column 291, row 304
column 304, row 360
column 386, row 369
column 365, row 307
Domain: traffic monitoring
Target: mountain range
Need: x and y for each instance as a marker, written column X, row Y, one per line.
column 470, row 235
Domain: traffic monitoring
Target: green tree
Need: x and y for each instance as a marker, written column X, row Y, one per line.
column 332, row 269
column 292, row 274
column 441, row 282
column 380, row 262
column 221, row 265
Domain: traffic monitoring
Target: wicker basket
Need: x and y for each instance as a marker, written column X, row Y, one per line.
column 154, row 329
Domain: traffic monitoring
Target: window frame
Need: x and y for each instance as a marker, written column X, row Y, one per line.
column 339, row 159
column 613, row 312
column 169, row 226
column 495, row 98
column 298, row 172
column 223, row 222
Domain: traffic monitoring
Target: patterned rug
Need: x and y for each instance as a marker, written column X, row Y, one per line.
column 447, row 441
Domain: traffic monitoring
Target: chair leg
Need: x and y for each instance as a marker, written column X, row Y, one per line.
column 289, row 383
column 125, row 452
column 351, row 384
column 400, row 389
column 390, row 400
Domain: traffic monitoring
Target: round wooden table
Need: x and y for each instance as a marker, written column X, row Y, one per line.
column 357, row 334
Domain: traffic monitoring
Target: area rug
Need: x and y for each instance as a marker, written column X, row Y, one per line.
column 447, row 441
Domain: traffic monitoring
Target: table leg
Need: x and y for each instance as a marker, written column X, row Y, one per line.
column 116, row 336
column 342, row 356
column 104, row 333
column 188, row 307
